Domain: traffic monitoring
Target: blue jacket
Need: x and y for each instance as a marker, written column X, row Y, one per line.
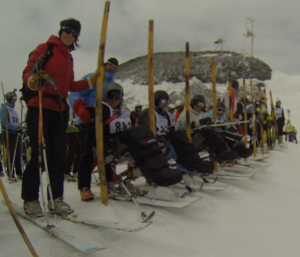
column 11, row 128
column 88, row 95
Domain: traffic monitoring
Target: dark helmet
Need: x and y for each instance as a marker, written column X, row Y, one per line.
column 113, row 90
column 138, row 108
column 221, row 105
column 10, row 95
column 235, row 85
column 112, row 62
column 196, row 99
column 160, row 94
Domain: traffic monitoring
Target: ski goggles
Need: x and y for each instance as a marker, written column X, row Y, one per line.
column 70, row 31
column 112, row 65
column 114, row 95
column 219, row 110
column 163, row 101
column 197, row 103
column 278, row 103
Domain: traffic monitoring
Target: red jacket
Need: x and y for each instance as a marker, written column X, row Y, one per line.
column 60, row 68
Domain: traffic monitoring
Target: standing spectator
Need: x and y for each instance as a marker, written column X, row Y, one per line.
column 179, row 108
column 280, row 120
column 13, row 131
column 225, row 98
column 288, row 131
column 55, row 111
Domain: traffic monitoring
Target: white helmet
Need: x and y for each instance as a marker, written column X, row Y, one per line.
column 171, row 106
column 178, row 103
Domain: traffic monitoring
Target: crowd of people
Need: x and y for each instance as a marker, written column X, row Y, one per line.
column 69, row 128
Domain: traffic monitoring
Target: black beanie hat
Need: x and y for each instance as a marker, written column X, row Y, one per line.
column 235, row 85
column 71, row 23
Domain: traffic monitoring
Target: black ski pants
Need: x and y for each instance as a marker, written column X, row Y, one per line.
column 14, row 148
column 54, row 129
column 73, row 152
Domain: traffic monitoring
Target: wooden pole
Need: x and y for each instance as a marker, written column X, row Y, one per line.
column 245, row 113
column 99, row 121
column 268, row 129
column 187, row 90
column 275, row 133
column 214, row 103
column 152, row 125
column 261, row 123
column 16, row 220
column 229, row 95
column 8, row 164
column 253, row 117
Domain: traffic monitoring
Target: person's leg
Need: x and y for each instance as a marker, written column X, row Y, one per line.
column 71, row 142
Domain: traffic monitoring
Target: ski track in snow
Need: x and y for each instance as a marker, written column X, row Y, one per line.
column 257, row 217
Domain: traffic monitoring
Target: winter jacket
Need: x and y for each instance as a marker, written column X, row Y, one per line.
column 60, row 68
column 225, row 99
column 194, row 116
column 89, row 95
column 279, row 112
column 13, row 118
column 289, row 128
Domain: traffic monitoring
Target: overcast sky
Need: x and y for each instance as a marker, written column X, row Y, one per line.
column 25, row 24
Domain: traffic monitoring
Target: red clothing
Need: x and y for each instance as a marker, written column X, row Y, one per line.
column 60, row 69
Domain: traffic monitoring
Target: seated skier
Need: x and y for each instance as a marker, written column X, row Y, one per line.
column 205, row 138
column 120, row 137
column 187, row 155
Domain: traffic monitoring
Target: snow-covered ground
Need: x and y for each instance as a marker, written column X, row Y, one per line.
column 258, row 217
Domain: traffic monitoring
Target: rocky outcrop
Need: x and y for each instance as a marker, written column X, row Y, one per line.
column 170, row 66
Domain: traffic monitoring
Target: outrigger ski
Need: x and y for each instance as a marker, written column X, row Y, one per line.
column 231, row 176
column 242, row 169
column 126, row 227
column 69, row 239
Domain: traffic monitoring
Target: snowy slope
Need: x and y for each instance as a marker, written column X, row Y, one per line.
column 259, row 217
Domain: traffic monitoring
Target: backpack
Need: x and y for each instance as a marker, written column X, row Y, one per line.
column 26, row 93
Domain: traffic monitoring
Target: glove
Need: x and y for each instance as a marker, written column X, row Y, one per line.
column 81, row 110
column 205, row 121
column 109, row 157
column 19, row 131
column 92, row 80
column 33, row 82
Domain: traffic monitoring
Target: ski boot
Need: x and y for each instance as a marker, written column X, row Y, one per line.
column 33, row 208
column 60, row 207
column 86, row 194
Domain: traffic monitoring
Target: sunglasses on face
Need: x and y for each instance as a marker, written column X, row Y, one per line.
column 163, row 101
column 220, row 110
column 199, row 104
column 278, row 103
column 114, row 95
column 70, row 31
column 112, row 65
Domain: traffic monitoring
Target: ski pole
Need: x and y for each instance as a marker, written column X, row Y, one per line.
column 16, row 147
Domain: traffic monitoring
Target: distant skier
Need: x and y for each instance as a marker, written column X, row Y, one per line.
column 225, row 98
column 280, row 119
column 13, row 131
column 288, row 131
column 294, row 135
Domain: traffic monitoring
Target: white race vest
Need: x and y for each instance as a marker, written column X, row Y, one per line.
column 198, row 116
column 172, row 118
column 13, row 116
column 161, row 124
column 121, row 123
column 278, row 112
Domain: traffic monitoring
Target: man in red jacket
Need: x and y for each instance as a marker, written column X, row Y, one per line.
column 55, row 116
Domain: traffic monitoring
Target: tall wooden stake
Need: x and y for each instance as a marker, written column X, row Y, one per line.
column 230, row 99
column 99, row 121
column 16, row 220
column 214, row 103
column 269, row 142
column 245, row 113
column 261, row 123
column 187, row 90
column 8, row 164
column 275, row 131
column 253, row 117
column 152, row 125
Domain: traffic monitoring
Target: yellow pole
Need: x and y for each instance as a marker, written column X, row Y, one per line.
column 187, row 89
column 16, row 220
column 152, row 125
column 99, row 121
column 274, row 118
column 245, row 113
column 253, row 117
column 261, row 122
column 214, row 103
column 8, row 164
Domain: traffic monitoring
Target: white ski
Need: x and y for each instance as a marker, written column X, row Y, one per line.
column 71, row 240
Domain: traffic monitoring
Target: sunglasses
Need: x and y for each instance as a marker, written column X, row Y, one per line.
column 114, row 95
column 112, row 65
column 163, row 101
column 220, row 110
column 69, row 31
column 199, row 104
column 279, row 103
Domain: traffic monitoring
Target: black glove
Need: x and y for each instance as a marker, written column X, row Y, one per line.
column 109, row 157
column 19, row 131
column 205, row 121
column 193, row 125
